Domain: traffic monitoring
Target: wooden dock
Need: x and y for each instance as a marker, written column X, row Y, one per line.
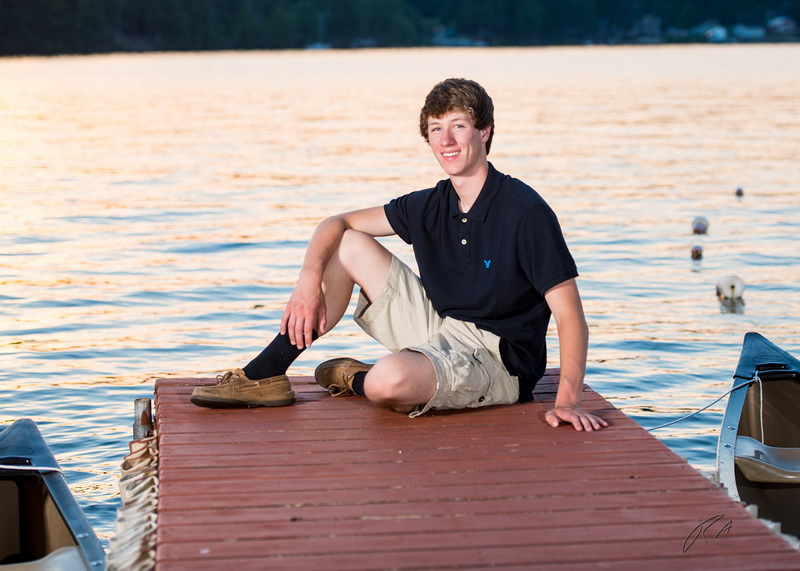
column 336, row 483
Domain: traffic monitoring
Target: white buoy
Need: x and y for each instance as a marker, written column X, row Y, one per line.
column 700, row 225
column 730, row 288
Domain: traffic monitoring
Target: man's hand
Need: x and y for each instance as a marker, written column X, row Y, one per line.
column 305, row 312
column 575, row 415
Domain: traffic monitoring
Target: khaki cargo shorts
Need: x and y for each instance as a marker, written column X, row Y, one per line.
column 469, row 369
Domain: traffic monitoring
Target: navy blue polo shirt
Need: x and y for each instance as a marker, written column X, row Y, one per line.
column 490, row 266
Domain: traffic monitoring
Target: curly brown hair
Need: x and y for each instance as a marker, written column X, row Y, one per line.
column 459, row 95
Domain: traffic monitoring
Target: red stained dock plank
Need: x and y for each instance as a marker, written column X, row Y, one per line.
column 336, row 483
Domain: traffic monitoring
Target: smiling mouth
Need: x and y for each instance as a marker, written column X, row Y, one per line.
column 450, row 155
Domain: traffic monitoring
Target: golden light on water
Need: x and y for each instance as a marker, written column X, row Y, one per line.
column 145, row 175
column 154, row 211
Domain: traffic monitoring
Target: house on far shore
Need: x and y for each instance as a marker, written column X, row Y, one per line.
column 712, row 31
column 782, row 26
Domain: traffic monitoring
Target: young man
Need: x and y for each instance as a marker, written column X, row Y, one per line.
column 470, row 331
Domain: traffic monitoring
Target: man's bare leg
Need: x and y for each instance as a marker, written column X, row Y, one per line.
column 360, row 259
column 399, row 381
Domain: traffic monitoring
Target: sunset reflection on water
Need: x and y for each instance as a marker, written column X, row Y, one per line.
column 155, row 209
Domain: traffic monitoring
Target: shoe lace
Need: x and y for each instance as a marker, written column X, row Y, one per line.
column 341, row 388
column 339, row 391
column 228, row 378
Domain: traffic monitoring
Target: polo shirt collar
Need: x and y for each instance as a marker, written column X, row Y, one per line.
column 480, row 209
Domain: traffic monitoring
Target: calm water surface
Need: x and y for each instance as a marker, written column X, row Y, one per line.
column 155, row 209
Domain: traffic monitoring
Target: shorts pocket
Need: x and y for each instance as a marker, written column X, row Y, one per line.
column 483, row 367
column 470, row 380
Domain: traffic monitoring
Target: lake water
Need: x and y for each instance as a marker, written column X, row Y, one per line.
column 155, row 209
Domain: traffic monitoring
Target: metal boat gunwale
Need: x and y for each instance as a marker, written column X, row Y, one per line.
column 770, row 465
column 24, row 454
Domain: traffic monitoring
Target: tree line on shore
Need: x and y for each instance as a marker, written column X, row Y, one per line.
column 47, row 27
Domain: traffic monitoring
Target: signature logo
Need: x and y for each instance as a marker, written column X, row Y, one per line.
column 487, row 263
column 710, row 528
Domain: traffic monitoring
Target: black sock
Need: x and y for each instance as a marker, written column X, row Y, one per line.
column 358, row 383
column 275, row 359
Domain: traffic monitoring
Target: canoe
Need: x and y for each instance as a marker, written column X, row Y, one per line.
column 758, row 453
column 42, row 526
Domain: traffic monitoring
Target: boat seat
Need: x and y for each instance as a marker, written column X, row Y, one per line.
column 761, row 463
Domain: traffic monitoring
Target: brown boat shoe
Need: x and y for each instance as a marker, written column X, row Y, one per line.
column 235, row 390
column 337, row 375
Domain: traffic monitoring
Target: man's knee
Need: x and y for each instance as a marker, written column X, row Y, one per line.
column 365, row 260
column 397, row 382
column 354, row 245
column 383, row 383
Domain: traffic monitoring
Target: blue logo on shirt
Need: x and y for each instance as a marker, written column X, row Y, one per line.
column 487, row 263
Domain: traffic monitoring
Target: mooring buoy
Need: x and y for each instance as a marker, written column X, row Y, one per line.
column 700, row 225
column 730, row 288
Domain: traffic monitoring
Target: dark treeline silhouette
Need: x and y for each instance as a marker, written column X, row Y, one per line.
column 92, row 26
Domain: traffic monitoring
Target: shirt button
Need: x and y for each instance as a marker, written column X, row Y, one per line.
column 464, row 220
column 464, row 242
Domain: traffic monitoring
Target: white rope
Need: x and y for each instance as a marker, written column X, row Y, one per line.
column 29, row 468
column 712, row 403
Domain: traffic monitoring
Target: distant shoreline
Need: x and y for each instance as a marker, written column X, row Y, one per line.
column 327, row 47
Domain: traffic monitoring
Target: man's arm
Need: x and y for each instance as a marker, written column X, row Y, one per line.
column 573, row 338
column 306, row 307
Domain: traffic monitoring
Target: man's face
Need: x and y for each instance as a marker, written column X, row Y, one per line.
column 457, row 144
